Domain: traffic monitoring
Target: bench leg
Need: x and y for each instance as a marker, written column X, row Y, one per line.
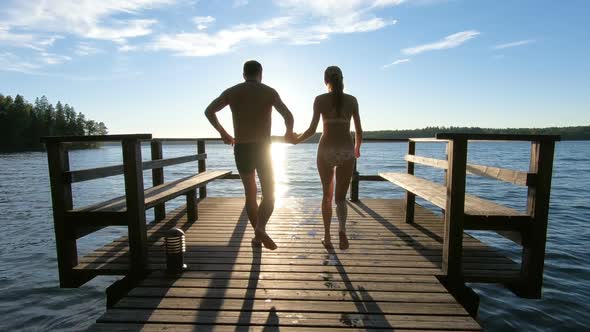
column 409, row 203
column 191, row 206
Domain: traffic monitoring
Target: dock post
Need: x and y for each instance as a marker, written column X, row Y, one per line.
column 202, row 167
column 61, row 196
column 354, row 184
column 533, row 253
column 158, row 178
column 454, row 212
column 410, row 198
column 134, row 195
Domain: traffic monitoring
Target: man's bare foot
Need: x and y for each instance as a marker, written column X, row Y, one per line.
column 327, row 243
column 256, row 243
column 343, row 240
column 267, row 242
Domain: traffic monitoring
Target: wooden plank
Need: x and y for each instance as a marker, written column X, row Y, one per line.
column 153, row 327
column 450, row 309
column 428, row 140
column 437, row 194
column 106, row 171
column 502, row 174
column 436, row 163
column 173, row 189
column 498, row 137
column 296, row 319
column 156, row 195
column 94, row 138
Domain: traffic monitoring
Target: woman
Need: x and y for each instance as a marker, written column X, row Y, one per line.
column 336, row 151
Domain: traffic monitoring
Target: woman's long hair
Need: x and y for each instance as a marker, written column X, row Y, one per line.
column 333, row 76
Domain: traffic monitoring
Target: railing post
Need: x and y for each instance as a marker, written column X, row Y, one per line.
column 133, row 173
column 410, row 199
column 61, row 197
column 158, row 178
column 202, row 167
column 533, row 253
column 354, row 184
column 454, row 212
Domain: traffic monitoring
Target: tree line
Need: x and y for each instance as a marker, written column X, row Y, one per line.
column 22, row 124
column 567, row 133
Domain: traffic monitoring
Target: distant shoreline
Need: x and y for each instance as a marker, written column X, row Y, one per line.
column 578, row 133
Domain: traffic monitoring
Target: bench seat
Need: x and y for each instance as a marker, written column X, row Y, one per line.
column 156, row 195
column 480, row 214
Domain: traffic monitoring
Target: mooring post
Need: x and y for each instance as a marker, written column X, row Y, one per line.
column 202, row 166
column 410, row 198
column 533, row 253
column 158, row 178
column 134, row 196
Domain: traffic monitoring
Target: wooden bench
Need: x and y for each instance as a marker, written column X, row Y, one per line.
column 480, row 214
column 464, row 211
column 113, row 212
column 130, row 210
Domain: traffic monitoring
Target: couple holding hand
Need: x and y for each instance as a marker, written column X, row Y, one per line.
column 251, row 104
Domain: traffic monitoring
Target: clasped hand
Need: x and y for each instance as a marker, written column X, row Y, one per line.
column 291, row 138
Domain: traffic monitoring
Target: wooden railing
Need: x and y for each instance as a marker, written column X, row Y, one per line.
column 68, row 230
column 529, row 230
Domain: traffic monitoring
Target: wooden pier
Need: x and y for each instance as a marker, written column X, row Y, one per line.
column 406, row 268
column 386, row 280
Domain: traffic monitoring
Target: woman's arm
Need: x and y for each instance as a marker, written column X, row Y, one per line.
column 312, row 126
column 358, row 130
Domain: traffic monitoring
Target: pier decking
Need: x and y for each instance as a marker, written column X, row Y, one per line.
column 386, row 280
column 407, row 267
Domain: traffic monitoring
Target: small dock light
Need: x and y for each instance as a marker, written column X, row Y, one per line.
column 175, row 248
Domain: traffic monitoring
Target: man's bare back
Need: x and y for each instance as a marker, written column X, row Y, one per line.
column 251, row 104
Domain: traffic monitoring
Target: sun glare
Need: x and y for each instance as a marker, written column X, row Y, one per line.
column 279, row 155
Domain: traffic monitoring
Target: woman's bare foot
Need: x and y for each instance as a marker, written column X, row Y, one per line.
column 343, row 240
column 267, row 242
column 327, row 243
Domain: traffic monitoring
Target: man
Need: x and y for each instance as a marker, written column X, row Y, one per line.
column 251, row 105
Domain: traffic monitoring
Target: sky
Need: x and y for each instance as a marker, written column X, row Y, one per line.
column 153, row 66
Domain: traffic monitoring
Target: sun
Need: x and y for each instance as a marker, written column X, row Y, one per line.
column 279, row 156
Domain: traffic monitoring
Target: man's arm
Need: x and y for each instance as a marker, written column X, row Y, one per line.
column 287, row 115
column 217, row 105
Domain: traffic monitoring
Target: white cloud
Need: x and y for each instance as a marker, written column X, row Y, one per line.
column 396, row 62
column 514, row 44
column 54, row 59
column 84, row 18
column 84, row 49
column 240, row 3
column 223, row 41
column 127, row 48
column 451, row 41
column 11, row 62
column 203, row 22
column 304, row 22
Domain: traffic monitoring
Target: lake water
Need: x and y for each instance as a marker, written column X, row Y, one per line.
column 31, row 300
